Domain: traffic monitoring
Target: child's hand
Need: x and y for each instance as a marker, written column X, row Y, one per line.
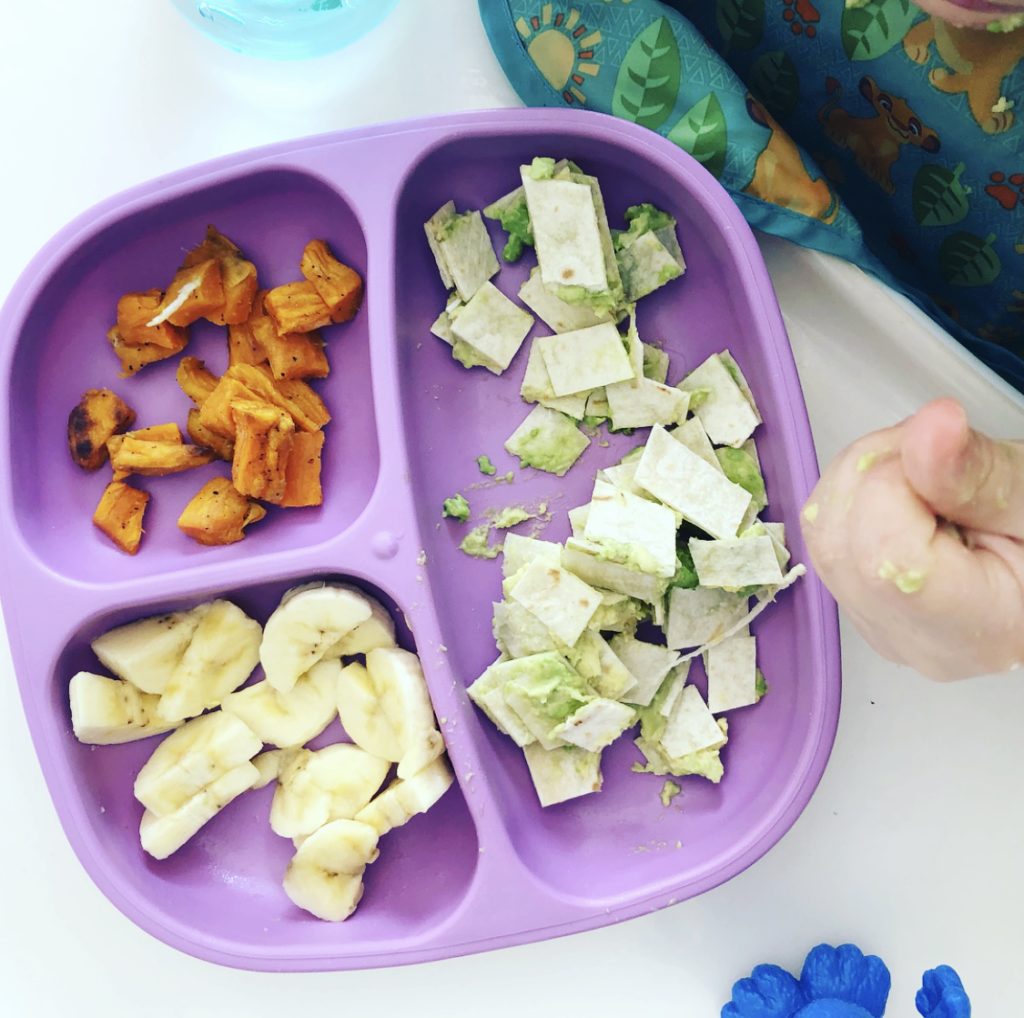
column 918, row 531
column 970, row 13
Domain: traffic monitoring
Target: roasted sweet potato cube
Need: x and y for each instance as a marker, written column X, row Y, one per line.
column 297, row 355
column 214, row 245
column 240, row 285
column 223, row 448
column 306, row 408
column 154, row 433
column 135, row 310
column 134, row 358
column 98, row 415
column 263, row 443
column 238, row 276
column 196, row 382
column 296, row 307
column 156, row 459
column 195, row 292
column 242, row 346
column 119, row 515
column 218, row 514
column 302, row 478
column 304, row 404
column 340, row 287
column 215, row 412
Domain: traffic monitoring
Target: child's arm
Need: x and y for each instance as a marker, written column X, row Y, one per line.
column 918, row 531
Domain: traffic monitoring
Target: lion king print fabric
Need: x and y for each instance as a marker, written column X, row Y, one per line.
column 877, row 133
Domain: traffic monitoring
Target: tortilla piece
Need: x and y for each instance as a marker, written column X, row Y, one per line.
column 728, row 416
column 646, row 265
column 732, row 674
column 612, row 276
column 691, row 433
column 596, row 724
column 518, row 632
column 462, row 249
column 736, row 562
column 673, row 687
column 536, row 388
column 492, row 327
column 656, row 363
column 699, row 615
column 647, row 663
column 585, row 359
column 547, row 440
column 560, row 599
column 520, row 551
column 578, row 520
column 632, row 530
column 642, row 403
column 564, row 773
column 587, row 561
column 557, row 314
column 690, row 726
column 684, row 481
column 566, row 234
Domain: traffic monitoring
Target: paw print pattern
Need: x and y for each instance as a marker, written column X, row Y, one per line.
column 803, row 17
column 1008, row 191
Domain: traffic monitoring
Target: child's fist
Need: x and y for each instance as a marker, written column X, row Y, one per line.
column 918, row 531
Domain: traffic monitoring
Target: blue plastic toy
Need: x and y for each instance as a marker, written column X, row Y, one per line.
column 840, row 982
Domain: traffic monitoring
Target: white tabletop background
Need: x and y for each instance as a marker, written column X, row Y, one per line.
column 913, row 845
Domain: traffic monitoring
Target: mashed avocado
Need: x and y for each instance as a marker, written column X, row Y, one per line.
column 475, row 543
column 485, row 465
column 456, row 508
column 740, row 468
column 686, row 574
column 669, row 791
column 510, row 517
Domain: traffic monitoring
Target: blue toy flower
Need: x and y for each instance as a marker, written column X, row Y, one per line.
column 840, row 982
column 942, row 995
column 845, row 974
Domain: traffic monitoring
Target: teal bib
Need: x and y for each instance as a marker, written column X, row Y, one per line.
column 875, row 133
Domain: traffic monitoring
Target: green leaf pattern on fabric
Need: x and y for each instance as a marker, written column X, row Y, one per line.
column 775, row 81
column 702, row 132
column 966, row 259
column 870, row 31
column 741, row 23
column 648, row 80
column 939, row 197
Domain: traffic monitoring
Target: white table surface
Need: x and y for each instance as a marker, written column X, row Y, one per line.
column 911, row 847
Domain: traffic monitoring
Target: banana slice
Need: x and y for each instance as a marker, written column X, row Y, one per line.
column 377, row 631
column 307, row 623
column 221, row 655
column 315, row 787
column 269, row 765
column 402, row 800
column 191, row 759
column 146, row 653
column 363, row 717
column 292, row 718
column 105, row 712
column 422, row 750
column 161, row 836
column 397, row 678
column 325, row 876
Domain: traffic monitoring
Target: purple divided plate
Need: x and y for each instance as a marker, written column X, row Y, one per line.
column 487, row 867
